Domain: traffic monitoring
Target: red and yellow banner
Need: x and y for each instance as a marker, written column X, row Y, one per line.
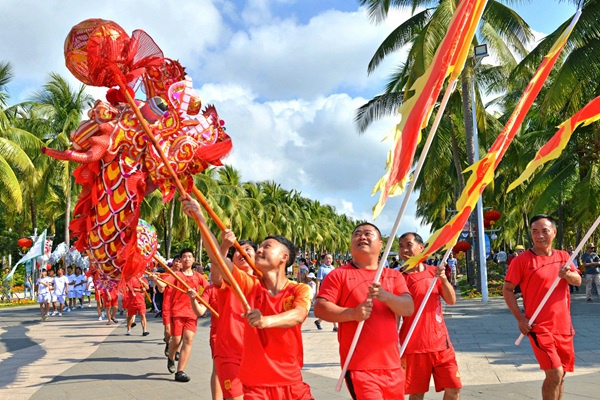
column 552, row 149
column 415, row 112
column 484, row 169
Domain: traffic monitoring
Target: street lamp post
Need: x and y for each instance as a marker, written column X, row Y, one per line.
column 480, row 51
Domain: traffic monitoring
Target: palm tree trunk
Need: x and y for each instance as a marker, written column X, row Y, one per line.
column 467, row 105
column 33, row 213
column 457, row 164
column 67, row 206
column 169, row 229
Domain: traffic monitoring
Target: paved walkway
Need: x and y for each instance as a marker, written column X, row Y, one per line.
column 78, row 357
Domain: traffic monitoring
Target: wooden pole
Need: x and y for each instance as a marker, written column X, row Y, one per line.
column 203, row 228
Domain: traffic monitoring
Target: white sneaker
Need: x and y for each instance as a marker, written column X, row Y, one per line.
column 128, row 333
column 53, row 313
column 99, row 318
column 68, row 309
column 60, row 314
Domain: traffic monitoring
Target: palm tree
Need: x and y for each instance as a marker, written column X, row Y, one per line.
column 504, row 31
column 63, row 107
column 14, row 160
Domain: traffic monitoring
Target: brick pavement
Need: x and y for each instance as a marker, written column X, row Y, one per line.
column 77, row 356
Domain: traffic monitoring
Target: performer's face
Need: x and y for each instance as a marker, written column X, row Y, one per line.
column 543, row 233
column 176, row 264
column 239, row 261
column 271, row 254
column 366, row 239
column 187, row 259
column 409, row 247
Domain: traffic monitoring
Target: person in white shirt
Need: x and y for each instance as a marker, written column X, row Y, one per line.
column 312, row 285
column 71, row 294
column 89, row 287
column 324, row 270
column 43, row 285
column 51, row 277
column 80, row 282
column 61, row 288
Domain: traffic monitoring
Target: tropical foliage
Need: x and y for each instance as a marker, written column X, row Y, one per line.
column 36, row 190
column 568, row 188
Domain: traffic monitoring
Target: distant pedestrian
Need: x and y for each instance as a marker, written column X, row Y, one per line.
column 591, row 262
column 44, row 297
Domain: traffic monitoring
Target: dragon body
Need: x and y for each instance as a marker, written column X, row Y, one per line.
column 118, row 163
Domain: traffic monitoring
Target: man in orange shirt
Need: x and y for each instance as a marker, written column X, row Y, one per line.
column 273, row 354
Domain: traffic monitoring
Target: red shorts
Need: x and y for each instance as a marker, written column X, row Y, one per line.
column 114, row 302
column 553, row 351
column 376, row 384
column 420, row 367
column 136, row 308
column 179, row 324
column 228, row 370
column 296, row 391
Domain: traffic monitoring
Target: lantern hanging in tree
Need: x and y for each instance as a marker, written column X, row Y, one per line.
column 24, row 244
column 492, row 216
column 461, row 246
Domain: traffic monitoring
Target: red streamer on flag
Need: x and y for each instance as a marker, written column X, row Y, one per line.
column 484, row 169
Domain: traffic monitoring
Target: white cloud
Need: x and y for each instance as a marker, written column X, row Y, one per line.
column 287, row 90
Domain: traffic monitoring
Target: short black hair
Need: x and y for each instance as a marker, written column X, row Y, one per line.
column 417, row 237
column 367, row 224
column 287, row 243
column 183, row 251
column 232, row 250
column 303, row 260
column 542, row 216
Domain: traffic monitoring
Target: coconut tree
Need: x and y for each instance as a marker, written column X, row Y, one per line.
column 506, row 34
column 63, row 107
column 14, row 161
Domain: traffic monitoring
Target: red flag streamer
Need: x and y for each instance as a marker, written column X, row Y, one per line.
column 415, row 112
column 554, row 147
column 484, row 169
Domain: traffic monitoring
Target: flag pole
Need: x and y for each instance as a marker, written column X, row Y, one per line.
column 557, row 280
column 182, row 282
column 422, row 306
column 388, row 246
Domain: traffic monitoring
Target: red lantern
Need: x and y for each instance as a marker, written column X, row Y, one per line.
column 487, row 223
column 24, row 243
column 461, row 246
column 492, row 215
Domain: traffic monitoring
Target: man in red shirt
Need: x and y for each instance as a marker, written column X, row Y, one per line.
column 183, row 318
column 134, row 302
column 349, row 295
column 210, row 296
column 428, row 351
column 273, row 356
column 551, row 335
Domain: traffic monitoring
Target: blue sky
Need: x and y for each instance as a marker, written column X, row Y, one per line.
column 285, row 75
